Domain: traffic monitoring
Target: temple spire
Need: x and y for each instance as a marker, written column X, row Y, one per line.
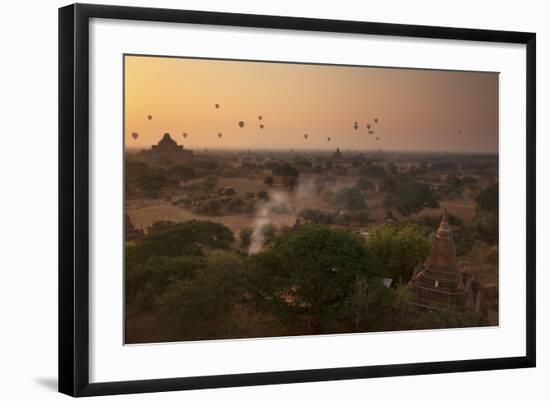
column 444, row 228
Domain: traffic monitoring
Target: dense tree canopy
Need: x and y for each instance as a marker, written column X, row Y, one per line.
column 399, row 249
column 411, row 197
column 311, row 273
column 349, row 199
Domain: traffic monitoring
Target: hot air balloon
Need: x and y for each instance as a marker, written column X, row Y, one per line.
column 219, row 135
column 376, row 120
column 368, row 126
column 217, row 106
column 355, row 126
column 371, row 132
column 241, row 124
column 260, row 117
column 460, row 131
column 377, row 138
column 261, row 126
column 306, row 136
column 149, row 117
column 328, row 138
column 135, row 135
column 185, row 134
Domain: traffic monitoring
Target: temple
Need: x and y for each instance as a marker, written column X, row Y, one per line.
column 438, row 283
column 167, row 150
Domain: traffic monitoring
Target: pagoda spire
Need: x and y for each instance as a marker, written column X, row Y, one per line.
column 444, row 228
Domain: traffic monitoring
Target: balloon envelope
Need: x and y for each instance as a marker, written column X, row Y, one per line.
column 149, row 117
column 219, row 135
column 135, row 135
column 241, row 124
column 185, row 134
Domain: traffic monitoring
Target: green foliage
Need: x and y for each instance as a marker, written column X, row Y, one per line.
column 373, row 172
column 290, row 182
column 152, row 182
column 285, row 170
column 200, row 308
column 349, row 199
column 487, row 199
column 317, row 216
column 364, row 184
column 154, row 275
column 399, row 249
column 368, row 304
column 483, row 227
column 454, row 181
column 412, row 197
column 268, row 232
column 245, row 236
column 184, row 172
column 210, row 207
column 310, row 273
column 262, row 195
column 181, row 239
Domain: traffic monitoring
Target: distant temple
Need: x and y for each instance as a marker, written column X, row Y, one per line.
column 438, row 282
column 337, row 154
column 167, row 149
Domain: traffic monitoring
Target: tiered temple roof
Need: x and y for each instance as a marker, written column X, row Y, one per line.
column 438, row 283
column 167, row 149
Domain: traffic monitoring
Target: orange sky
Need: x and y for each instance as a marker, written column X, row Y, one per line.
column 420, row 110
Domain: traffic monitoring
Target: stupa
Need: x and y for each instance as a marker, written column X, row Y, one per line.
column 438, row 282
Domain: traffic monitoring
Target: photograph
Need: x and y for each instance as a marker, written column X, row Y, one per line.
column 273, row 199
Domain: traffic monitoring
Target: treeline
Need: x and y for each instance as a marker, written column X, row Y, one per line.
column 195, row 282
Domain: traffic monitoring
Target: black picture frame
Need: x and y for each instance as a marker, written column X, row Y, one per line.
column 74, row 198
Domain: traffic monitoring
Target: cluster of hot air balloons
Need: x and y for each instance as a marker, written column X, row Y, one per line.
column 369, row 126
column 241, row 124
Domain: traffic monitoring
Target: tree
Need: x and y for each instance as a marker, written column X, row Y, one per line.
column 268, row 232
column 180, row 239
column 365, row 184
column 373, row 172
column 210, row 207
column 269, row 180
column 368, row 304
column 264, row 195
column 399, row 249
column 154, row 275
column 309, row 274
column 152, row 182
column 285, row 170
column 183, row 171
column 349, row 199
column 200, row 308
column 245, row 235
column 488, row 198
column 290, row 182
column 412, row 197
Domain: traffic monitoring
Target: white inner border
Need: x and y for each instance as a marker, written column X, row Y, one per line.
column 111, row 361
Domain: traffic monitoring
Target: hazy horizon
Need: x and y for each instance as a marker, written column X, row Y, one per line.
column 418, row 110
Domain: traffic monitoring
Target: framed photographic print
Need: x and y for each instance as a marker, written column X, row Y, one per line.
column 249, row 199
